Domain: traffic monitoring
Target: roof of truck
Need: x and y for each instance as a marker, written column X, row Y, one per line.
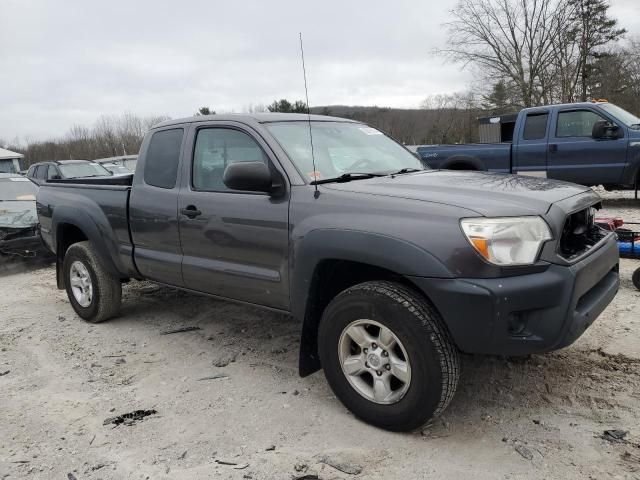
column 254, row 118
column 62, row 162
column 567, row 105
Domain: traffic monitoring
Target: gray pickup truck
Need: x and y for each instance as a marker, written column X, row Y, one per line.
column 393, row 269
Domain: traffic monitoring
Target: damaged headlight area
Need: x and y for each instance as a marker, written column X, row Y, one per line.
column 19, row 233
column 507, row 241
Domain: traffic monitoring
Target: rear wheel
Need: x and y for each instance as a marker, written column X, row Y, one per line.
column 94, row 293
column 387, row 356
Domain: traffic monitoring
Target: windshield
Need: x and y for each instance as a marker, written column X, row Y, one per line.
column 629, row 119
column 341, row 148
column 89, row 169
column 17, row 188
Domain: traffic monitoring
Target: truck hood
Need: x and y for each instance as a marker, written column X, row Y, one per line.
column 488, row 194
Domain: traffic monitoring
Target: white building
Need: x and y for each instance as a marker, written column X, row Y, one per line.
column 10, row 162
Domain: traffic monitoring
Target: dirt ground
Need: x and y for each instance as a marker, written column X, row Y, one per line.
column 61, row 378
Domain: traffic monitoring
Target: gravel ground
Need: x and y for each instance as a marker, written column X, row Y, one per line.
column 229, row 402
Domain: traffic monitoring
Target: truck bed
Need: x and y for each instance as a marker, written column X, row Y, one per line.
column 126, row 180
column 105, row 209
column 494, row 157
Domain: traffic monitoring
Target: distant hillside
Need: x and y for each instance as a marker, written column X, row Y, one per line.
column 413, row 126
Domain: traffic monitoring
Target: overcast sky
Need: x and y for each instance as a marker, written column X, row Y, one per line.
column 68, row 62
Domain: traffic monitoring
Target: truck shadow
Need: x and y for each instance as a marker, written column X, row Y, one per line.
column 13, row 265
column 621, row 202
column 571, row 381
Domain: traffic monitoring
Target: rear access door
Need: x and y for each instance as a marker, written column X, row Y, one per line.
column 529, row 154
column 153, row 207
column 235, row 243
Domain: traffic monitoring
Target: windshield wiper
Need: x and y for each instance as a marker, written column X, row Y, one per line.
column 405, row 170
column 347, row 177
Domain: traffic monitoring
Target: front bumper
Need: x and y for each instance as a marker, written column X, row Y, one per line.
column 29, row 246
column 526, row 314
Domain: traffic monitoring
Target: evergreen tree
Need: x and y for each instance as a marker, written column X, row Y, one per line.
column 285, row 106
column 593, row 29
column 205, row 111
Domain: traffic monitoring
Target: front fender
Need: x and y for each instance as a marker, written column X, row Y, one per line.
column 392, row 254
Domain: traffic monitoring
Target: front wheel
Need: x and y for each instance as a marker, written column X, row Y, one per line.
column 95, row 294
column 387, row 356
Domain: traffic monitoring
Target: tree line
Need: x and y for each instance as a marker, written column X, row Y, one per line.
column 110, row 136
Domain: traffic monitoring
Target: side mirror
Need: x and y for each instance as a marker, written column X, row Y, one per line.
column 55, row 177
column 248, row 176
column 603, row 129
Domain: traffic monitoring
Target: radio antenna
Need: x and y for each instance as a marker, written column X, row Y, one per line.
column 316, row 193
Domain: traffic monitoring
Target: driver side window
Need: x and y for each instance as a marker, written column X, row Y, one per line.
column 576, row 123
column 215, row 149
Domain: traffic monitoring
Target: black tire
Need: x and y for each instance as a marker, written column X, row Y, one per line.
column 434, row 360
column 107, row 289
column 635, row 278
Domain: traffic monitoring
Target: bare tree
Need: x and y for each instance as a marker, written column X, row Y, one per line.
column 110, row 136
column 454, row 119
column 511, row 40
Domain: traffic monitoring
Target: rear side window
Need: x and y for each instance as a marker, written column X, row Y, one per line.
column 161, row 165
column 535, row 126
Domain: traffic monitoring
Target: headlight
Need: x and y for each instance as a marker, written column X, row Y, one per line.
column 507, row 240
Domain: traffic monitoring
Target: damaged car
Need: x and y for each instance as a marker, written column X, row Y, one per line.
column 19, row 231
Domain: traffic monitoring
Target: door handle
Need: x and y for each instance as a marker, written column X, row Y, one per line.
column 553, row 148
column 190, row 211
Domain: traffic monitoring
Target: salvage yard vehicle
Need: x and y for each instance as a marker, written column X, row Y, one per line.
column 393, row 269
column 126, row 161
column 19, row 233
column 628, row 234
column 59, row 169
column 591, row 143
column 116, row 169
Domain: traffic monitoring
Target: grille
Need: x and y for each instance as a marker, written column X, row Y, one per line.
column 579, row 234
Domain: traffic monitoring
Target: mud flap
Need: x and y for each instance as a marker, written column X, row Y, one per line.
column 59, row 276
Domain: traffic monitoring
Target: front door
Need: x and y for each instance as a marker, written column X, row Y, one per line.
column 575, row 156
column 234, row 244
